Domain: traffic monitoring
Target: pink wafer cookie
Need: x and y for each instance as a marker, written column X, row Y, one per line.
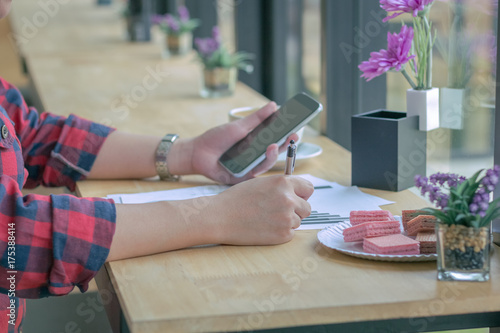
column 427, row 242
column 419, row 224
column 391, row 244
column 361, row 216
column 370, row 229
column 409, row 214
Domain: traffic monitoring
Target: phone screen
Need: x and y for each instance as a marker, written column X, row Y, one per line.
column 246, row 153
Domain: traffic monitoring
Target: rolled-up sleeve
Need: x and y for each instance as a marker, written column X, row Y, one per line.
column 60, row 241
column 57, row 151
column 56, row 242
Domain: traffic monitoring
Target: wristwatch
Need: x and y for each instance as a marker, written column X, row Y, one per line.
column 161, row 157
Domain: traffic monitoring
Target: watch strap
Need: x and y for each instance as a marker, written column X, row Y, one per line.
column 161, row 157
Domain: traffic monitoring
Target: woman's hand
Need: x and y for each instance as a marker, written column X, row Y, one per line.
column 200, row 155
column 261, row 211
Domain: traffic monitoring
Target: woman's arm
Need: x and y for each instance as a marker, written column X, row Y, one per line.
column 125, row 155
column 261, row 211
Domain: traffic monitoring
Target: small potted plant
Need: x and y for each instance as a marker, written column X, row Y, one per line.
column 464, row 216
column 220, row 67
column 178, row 30
column 413, row 46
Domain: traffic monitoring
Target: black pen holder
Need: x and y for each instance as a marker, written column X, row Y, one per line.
column 388, row 150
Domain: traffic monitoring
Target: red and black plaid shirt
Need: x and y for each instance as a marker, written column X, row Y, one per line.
column 48, row 244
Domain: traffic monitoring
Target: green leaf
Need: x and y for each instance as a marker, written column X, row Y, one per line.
column 473, row 179
column 492, row 212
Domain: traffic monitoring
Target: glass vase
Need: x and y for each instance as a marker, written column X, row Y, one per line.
column 178, row 45
column 463, row 253
column 218, row 82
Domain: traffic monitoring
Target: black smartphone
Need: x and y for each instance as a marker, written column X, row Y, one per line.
column 247, row 153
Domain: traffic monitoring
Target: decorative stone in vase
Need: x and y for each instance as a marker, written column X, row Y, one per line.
column 179, row 44
column 451, row 113
column 218, row 82
column 463, row 252
column 425, row 104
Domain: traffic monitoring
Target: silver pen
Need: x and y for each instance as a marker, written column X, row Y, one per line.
column 290, row 158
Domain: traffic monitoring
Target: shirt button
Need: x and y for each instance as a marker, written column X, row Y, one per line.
column 5, row 132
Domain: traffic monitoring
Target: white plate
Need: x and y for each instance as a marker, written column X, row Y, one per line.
column 304, row 150
column 332, row 237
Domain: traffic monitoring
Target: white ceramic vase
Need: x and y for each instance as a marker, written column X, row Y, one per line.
column 425, row 104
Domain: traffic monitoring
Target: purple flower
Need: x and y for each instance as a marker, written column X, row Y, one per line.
column 443, row 201
column 452, row 179
column 172, row 23
column 486, row 185
column 420, row 181
column 403, row 6
column 157, row 19
column 396, row 55
column 473, row 208
column 216, row 34
column 183, row 13
column 436, row 196
column 464, row 207
column 207, row 46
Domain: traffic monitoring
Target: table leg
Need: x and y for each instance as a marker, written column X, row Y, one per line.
column 109, row 299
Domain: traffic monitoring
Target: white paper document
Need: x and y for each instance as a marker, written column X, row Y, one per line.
column 329, row 199
column 336, row 199
column 177, row 194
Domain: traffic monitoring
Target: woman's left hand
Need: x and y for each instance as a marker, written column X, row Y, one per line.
column 206, row 149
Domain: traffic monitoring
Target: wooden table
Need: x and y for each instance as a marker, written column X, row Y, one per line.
column 80, row 63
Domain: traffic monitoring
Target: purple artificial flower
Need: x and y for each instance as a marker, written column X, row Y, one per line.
column 436, row 196
column 473, row 208
column 183, row 13
column 207, row 46
column 420, row 181
column 478, row 205
column 442, row 201
column 157, row 19
column 172, row 23
column 403, row 6
column 452, row 179
column 487, row 185
column 216, row 34
column 396, row 55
